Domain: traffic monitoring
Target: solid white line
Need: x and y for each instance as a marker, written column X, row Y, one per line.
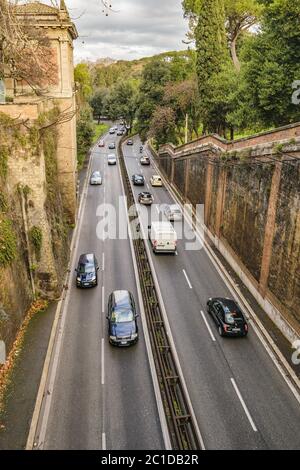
column 103, row 441
column 103, row 300
column 187, row 279
column 243, row 405
column 103, row 261
column 102, row 363
column 207, row 326
column 147, row 186
column 157, row 209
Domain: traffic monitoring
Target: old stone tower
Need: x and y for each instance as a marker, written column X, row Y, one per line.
column 58, row 27
column 38, row 172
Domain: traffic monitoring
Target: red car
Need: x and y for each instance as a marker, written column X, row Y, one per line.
column 101, row 143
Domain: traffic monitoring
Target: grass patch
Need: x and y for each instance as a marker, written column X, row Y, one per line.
column 100, row 129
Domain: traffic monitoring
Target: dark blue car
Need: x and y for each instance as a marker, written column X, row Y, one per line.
column 122, row 319
column 87, row 271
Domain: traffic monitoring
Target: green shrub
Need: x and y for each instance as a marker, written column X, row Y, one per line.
column 8, row 242
column 36, row 238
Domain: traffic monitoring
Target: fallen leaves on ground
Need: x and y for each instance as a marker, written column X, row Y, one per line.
column 6, row 370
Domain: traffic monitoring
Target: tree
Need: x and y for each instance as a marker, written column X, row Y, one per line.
column 25, row 52
column 98, row 103
column 240, row 16
column 122, row 101
column 84, row 80
column 156, row 75
column 85, row 133
column 183, row 98
column 271, row 66
column 163, row 125
column 211, row 52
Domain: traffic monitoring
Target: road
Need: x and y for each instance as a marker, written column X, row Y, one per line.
column 103, row 397
column 240, row 399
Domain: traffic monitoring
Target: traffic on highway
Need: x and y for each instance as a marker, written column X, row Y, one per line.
column 104, row 389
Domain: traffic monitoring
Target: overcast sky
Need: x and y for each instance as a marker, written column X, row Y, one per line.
column 140, row 28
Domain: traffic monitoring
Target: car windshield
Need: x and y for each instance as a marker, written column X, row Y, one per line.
column 96, row 174
column 122, row 316
column 86, row 269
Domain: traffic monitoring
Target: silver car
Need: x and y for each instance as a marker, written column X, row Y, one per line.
column 112, row 159
column 96, row 178
column 145, row 198
column 173, row 213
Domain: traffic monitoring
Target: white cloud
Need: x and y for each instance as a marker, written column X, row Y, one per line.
column 140, row 28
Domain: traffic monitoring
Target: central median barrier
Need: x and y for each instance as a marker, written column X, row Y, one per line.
column 183, row 429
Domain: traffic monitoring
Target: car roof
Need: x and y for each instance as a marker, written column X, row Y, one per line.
column 87, row 258
column 156, row 176
column 111, row 155
column 136, row 175
column 122, row 298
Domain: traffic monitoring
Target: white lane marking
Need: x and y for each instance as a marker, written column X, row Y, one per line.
column 157, row 209
column 207, row 326
column 103, row 261
column 103, row 303
column 187, row 279
column 103, row 441
column 147, row 186
column 244, row 405
column 102, row 363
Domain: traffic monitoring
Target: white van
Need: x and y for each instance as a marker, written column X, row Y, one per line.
column 156, row 180
column 163, row 237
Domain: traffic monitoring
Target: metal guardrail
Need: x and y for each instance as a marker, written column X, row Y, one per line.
column 181, row 426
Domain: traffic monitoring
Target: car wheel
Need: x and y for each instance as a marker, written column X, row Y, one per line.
column 221, row 332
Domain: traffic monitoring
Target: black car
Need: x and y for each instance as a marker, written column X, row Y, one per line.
column 228, row 317
column 122, row 319
column 87, row 271
column 112, row 146
column 129, row 142
column 119, row 133
column 138, row 180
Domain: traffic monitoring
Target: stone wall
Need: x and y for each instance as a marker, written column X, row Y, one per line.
column 33, row 205
column 252, row 208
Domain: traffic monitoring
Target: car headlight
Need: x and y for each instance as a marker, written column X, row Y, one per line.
column 78, row 279
column 93, row 278
column 134, row 336
column 113, row 338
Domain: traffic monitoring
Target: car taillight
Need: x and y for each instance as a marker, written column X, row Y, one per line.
column 227, row 328
column 246, row 327
column 155, row 243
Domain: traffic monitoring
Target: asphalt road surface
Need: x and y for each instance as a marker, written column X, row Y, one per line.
column 240, row 399
column 103, row 396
